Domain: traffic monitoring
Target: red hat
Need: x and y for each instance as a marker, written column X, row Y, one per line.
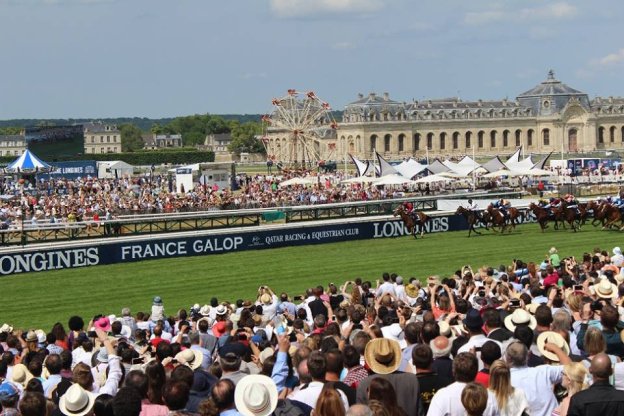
column 103, row 324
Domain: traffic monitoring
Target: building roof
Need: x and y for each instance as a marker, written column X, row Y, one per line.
column 7, row 137
column 373, row 99
column 148, row 139
column 551, row 86
column 100, row 127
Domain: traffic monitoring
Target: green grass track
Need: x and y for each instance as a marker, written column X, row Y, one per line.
column 38, row 300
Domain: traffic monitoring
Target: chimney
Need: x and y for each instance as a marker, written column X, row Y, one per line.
column 505, row 102
column 429, row 103
column 480, row 102
column 611, row 99
column 455, row 103
column 387, row 96
column 360, row 96
column 373, row 95
column 517, row 101
column 598, row 99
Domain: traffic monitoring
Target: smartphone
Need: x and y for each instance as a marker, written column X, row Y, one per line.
column 481, row 293
column 91, row 334
column 137, row 360
column 578, row 288
column 514, row 303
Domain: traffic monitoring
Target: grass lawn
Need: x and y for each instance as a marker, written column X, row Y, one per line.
column 41, row 299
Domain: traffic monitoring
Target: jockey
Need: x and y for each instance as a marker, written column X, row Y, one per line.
column 472, row 206
column 619, row 203
column 503, row 205
column 572, row 203
column 408, row 207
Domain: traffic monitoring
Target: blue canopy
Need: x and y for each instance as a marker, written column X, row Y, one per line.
column 27, row 163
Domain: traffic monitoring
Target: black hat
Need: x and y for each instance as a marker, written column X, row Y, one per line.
column 473, row 319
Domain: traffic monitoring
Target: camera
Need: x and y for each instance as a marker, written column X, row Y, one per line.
column 481, row 293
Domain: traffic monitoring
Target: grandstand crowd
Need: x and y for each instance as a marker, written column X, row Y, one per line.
column 527, row 338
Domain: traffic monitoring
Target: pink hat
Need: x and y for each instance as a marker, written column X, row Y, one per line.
column 103, row 324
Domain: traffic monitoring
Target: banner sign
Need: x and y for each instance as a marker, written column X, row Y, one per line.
column 71, row 170
column 114, row 252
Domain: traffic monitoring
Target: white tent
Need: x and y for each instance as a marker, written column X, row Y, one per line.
column 393, row 180
column 114, row 169
column 298, row 181
column 360, row 179
column 434, row 178
column 410, row 168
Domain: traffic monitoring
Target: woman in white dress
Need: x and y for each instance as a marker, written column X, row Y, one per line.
column 511, row 401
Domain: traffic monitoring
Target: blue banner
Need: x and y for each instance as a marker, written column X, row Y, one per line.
column 71, row 170
column 114, row 251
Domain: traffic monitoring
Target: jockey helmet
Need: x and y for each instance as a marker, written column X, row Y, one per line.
column 552, row 199
column 470, row 201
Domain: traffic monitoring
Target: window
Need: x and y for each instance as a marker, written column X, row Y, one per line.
column 493, row 138
column 101, row 139
column 518, row 138
column 546, row 137
column 102, row 150
column 601, row 135
column 506, row 138
column 430, row 141
column 401, row 142
column 373, row 142
column 417, row 140
column 468, row 136
column 530, row 138
column 387, row 143
column 107, row 139
column 442, row 141
column 92, row 139
column 115, row 138
column 612, row 134
column 480, row 139
column 456, row 140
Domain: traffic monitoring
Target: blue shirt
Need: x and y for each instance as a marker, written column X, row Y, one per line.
column 231, row 412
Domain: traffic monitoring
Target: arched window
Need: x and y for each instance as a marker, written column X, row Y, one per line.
column 622, row 134
column 612, row 134
column 401, row 142
column 430, row 141
column 456, row 140
column 416, row 144
column 373, row 142
column 442, row 141
column 546, row 137
column 601, row 135
column 468, row 137
column 480, row 139
column 530, row 138
column 518, row 138
column 493, row 139
column 387, row 143
column 506, row 138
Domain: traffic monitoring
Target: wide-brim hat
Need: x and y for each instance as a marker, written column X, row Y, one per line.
column 208, row 320
column 412, row 290
column 445, row 329
column 553, row 338
column 606, row 289
column 192, row 358
column 532, row 307
column 383, row 356
column 617, row 250
column 6, row 328
column 76, row 401
column 221, row 310
column 31, row 336
column 103, row 324
column 205, row 310
column 266, row 299
column 41, row 336
column 345, row 304
column 619, row 277
column 520, row 317
column 266, row 353
column 255, row 395
column 247, row 304
column 473, row 319
column 20, row 374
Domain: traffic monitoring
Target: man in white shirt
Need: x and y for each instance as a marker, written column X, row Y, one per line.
column 386, row 287
column 473, row 323
column 537, row 382
column 399, row 289
column 309, row 393
column 447, row 401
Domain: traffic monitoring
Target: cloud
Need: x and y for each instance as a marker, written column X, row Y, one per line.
column 253, row 75
column 557, row 11
column 287, row 9
column 584, row 74
column 419, row 26
column 541, row 33
column 343, row 46
column 613, row 59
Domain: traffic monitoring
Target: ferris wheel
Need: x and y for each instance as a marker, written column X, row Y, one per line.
column 300, row 129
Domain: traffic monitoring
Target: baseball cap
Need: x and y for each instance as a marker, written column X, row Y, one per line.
column 8, row 390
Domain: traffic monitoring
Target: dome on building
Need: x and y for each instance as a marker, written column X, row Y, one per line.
column 551, row 96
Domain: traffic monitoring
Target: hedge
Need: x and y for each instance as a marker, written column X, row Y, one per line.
column 154, row 157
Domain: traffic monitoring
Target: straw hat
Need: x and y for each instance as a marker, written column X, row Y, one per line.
column 606, row 289
column 221, row 310
column 76, row 401
column 445, row 329
column 255, row 395
column 204, row 310
column 6, row 328
column 383, row 355
column 20, row 374
column 192, row 358
column 412, row 290
column 532, row 307
column 520, row 317
column 265, row 298
column 552, row 338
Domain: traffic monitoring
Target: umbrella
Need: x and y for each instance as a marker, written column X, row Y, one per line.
column 393, row 180
column 298, row 181
column 434, row 178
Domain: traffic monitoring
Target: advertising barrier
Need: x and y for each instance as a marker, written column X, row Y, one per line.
column 115, row 251
column 71, row 170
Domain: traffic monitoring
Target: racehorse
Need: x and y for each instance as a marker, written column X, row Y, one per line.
column 471, row 217
column 568, row 215
column 612, row 215
column 409, row 222
column 497, row 219
column 541, row 214
column 599, row 215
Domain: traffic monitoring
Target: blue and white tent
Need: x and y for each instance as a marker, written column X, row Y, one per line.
column 28, row 163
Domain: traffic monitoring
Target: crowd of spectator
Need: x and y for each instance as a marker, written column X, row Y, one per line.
column 539, row 338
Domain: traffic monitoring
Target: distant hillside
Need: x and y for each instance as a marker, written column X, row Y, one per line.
column 144, row 123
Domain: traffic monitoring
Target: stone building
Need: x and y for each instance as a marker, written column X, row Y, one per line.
column 101, row 138
column 12, row 145
column 161, row 141
column 549, row 117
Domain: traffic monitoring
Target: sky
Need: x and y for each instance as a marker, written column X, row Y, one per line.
column 167, row 58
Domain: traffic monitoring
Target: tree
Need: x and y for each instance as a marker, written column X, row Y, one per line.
column 195, row 128
column 244, row 137
column 131, row 137
column 157, row 129
column 11, row 131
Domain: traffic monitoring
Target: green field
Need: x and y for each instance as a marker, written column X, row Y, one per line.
column 41, row 299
